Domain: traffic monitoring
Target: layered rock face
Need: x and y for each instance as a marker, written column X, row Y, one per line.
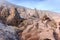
column 20, row 23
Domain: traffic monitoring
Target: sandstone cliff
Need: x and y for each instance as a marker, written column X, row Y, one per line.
column 20, row 23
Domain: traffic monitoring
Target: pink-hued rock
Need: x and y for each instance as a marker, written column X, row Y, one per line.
column 20, row 23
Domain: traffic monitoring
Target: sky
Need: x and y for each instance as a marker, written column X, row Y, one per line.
column 50, row 5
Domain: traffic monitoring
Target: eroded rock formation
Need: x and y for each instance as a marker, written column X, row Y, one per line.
column 20, row 23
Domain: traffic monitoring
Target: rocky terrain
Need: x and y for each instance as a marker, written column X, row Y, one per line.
column 20, row 23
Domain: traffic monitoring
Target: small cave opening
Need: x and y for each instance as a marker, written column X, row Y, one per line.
column 47, row 39
column 46, row 17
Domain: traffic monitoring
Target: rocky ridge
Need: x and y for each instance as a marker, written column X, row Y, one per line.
column 20, row 23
